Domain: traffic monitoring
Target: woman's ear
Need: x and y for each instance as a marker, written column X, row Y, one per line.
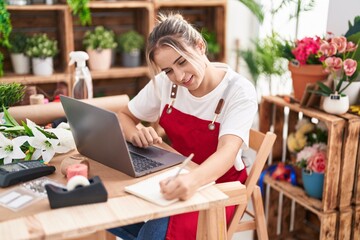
column 201, row 46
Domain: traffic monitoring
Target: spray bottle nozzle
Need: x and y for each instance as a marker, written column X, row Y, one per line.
column 79, row 57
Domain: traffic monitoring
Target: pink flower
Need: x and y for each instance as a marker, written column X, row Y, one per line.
column 351, row 47
column 350, row 66
column 317, row 163
column 333, row 64
column 313, row 158
column 340, row 43
column 328, row 49
column 306, row 48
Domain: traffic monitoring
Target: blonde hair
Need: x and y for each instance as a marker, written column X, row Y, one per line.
column 174, row 31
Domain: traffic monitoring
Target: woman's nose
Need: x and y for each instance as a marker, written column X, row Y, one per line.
column 179, row 75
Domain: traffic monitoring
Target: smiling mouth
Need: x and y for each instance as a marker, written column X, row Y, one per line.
column 188, row 82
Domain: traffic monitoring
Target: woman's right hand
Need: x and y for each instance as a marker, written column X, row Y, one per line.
column 144, row 137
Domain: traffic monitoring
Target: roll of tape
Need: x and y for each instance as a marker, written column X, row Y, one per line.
column 75, row 159
column 77, row 169
column 77, row 181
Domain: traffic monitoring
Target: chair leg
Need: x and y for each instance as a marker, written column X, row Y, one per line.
column 260, row 221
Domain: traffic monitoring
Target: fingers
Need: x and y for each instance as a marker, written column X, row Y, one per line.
column 145, row 137
column 175, row 188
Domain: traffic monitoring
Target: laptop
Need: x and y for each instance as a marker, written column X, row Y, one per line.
column 98, row 135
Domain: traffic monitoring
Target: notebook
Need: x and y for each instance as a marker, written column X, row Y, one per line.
column 98, row 135
column 149, row 189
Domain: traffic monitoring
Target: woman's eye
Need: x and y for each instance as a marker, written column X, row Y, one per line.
column 182, row 62
column 168, row 71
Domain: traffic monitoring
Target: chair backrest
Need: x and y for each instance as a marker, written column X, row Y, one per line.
column 262, row 144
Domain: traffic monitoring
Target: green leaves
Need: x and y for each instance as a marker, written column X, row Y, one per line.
column 9, row 119
column 100, row 38
column 5, row 30
column 130, row 40
column 255, row 8
column 81, row 9
column 11, row 93
column 210, row 38
column 39, row 45
column 324, row 90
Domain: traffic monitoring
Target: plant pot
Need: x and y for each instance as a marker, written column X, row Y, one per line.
column 131, row 59
column 313, row 183
column 20, row 63
column 335, row 104
column 42, row 66
column 303, row 75
column 100, row 60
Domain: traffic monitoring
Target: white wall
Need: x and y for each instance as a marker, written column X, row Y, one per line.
column 326, row 16
column 242, row 25
column 340, row 12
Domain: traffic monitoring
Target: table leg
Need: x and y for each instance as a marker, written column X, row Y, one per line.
column 212, row 224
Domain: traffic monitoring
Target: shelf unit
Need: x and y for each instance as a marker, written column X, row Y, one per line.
column 119, row 16
column 335, row 211
column 54, row 20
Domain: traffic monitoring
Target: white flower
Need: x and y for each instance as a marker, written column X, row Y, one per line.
column 66, row 140
column 2, row 120
column 44, row 146
column 10, row 149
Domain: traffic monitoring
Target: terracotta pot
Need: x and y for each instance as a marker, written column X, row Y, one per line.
column 304, row 74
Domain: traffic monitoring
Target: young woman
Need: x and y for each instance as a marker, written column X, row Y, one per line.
column 205, row 108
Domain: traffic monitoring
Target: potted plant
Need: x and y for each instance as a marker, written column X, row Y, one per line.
column 304, row 62
column 42, row 50
column 130, row 45
column 312, row 160
column 10, row 94
column 20, row 62
column 99, row 44
column 5, row 30
column 338, row 56
column 213, row 46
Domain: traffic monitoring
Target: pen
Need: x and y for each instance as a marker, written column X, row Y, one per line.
column 184, row 163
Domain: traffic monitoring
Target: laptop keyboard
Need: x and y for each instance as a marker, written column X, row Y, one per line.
column 142, row 163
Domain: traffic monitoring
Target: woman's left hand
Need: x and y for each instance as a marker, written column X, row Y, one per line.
column 181, row 187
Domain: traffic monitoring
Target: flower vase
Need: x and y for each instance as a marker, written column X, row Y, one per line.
column 336, row 104
column 313, row 183
column 304, row 74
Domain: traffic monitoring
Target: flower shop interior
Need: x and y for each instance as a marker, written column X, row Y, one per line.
column 302, row 57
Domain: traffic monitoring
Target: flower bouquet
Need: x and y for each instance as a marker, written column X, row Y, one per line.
column 337, row 55
column 30, row 141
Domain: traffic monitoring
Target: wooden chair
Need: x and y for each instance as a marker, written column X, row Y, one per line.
column 262, row 144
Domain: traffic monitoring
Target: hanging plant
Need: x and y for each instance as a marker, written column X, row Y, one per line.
column 5, row 30
column 81, row 9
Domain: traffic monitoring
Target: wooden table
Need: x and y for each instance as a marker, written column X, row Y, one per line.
column 39, row 221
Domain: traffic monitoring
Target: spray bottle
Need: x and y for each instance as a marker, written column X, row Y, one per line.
column 83, row 87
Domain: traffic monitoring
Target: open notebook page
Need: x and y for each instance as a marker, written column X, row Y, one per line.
column 149, row 189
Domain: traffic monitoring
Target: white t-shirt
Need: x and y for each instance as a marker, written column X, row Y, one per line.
column 237, row 114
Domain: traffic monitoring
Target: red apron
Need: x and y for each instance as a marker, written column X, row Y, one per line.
column 189, row 134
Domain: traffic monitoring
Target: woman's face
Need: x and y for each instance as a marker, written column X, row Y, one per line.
column 178, row 69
